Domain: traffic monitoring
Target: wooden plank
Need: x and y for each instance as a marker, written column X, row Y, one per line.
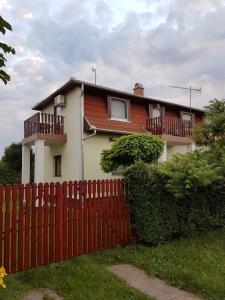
column 46, row 222
column 65, row 202
column 52, row 223
column 90, row 217
column 14, row 229
column 75, row 223
column 1, row 223
column 59, row 222
column 85, row 232
column 34, row 227
column 70, row 220
column 40, row 225
column 99, row 216
column 94, row 217
column 20, row 229
column 27, row 258
column 7, row 227
column 120, row 232
column 103, row 214
column 107, row 216
column 112, row 214
column 80, row 220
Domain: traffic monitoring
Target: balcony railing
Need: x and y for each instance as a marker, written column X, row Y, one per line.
column 169, row 126
column 44, row 123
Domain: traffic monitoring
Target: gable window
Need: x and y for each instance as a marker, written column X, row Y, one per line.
column 119, row 109
column 58, row 165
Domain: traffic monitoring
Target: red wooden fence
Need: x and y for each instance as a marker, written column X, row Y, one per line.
column 45, row 223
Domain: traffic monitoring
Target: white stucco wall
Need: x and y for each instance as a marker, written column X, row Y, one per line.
column 182, row 149
column 92, row 154
column 71, row 150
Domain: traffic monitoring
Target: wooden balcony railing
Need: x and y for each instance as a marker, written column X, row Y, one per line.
column 169, row 126
column 44, row 123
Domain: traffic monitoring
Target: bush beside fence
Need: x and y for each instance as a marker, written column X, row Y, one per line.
column 159, row 216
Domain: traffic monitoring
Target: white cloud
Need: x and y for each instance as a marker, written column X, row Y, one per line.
column 157, row 42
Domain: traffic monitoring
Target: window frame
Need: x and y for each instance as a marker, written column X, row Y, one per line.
column 127, row 103
column 186, row 113
column 55, row 165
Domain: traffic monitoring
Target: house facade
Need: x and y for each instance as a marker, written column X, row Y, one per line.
column 74, row 124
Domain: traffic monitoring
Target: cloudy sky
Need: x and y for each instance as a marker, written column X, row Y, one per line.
column 156, row 42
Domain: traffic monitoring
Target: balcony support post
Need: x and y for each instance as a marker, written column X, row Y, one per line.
column 25, row 164
column 39, row 161
column 164, row 156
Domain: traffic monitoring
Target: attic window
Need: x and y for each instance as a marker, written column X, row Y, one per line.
column 118, row 109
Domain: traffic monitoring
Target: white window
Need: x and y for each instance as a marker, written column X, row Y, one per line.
column 119, row 109
column 156, row 113
column 186, row 116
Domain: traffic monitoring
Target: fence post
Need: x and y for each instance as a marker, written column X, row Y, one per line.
column 59, row 222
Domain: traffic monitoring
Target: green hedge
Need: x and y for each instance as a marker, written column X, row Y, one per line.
column 158, row 215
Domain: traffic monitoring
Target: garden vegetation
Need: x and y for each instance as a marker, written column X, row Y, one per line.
column 185, row 195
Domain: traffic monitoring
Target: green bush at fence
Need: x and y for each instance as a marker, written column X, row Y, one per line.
column 182, row 197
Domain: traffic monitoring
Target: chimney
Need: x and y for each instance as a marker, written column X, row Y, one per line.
column 138, row 89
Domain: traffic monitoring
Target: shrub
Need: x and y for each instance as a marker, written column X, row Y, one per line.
column 131, row 148
column 167, row 203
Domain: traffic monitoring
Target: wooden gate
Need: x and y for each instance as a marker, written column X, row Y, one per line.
column 45, row 223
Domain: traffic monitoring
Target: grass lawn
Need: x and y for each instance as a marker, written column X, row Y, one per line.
column 195, row 264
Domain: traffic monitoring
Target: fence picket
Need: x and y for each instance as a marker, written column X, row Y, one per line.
column 20, row 228
column 1, row 223
column 65, row 205
column 80, row 225
column 34, row 227
column 52, row 223
column 94, row 217
column 40, row 224
column 14, row 228
column 75, row 220
column 27, row 228
column 7, row 227
column 85, row 233
column 70, row 218
column 90, row 217
column 45, row 232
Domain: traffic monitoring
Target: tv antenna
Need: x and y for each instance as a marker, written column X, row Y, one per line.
column 94, row 70
column 190, row 89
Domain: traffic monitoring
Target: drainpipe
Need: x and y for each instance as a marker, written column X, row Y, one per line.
column 82, row 131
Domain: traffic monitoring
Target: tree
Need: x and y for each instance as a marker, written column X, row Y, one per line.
column 11, row 164
column 212, row 130
column 12, row 157
column 4, row 49
column 128, row 149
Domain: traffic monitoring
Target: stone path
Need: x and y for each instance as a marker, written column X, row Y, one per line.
column 40, row 293
column 153, row 287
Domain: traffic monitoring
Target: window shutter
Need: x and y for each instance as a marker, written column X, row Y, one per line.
column 109, row 106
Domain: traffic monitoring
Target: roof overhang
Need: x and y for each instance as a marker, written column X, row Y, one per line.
column 73, row 82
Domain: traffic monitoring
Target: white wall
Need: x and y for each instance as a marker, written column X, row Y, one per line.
column 71, row 150
column 92, row 154
column 182, row 149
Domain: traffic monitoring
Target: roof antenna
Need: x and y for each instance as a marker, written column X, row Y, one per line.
column 190, row 89
column 94, row 70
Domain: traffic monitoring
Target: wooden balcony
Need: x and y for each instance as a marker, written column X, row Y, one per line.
column 171, row 129
column 44, row 126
